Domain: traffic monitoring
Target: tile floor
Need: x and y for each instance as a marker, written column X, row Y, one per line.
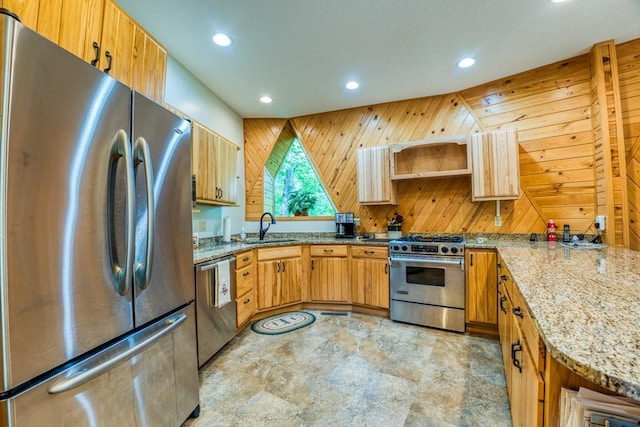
column 355, row 370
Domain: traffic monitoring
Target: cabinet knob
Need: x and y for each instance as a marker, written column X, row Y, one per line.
column 245, row 259
column 328, row 251
column 369, row 252
column 246, row 273
column 247, row 301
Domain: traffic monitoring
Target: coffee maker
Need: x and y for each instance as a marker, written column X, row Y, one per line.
column 345, row 226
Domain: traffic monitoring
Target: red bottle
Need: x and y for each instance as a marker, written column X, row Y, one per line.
column 551, row 231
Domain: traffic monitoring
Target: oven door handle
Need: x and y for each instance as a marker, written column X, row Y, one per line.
column 400, row 261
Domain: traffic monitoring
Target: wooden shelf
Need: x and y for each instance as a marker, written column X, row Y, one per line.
column 431, row 158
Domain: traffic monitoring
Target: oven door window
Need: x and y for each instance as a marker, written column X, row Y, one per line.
column 427, row 276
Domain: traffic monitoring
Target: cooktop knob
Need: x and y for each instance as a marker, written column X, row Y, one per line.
column 396, row 248
column 454, row 250
column 405, row 247
column 444, row 249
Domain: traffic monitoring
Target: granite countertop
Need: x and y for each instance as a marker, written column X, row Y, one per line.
column 218, row 250
column 586, row 306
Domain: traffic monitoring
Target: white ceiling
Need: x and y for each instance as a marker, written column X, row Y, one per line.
column 302, row 52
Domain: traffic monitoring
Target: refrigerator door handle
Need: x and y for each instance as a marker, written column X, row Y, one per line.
column 85, row 372
column 141, row 154
column 121, row 149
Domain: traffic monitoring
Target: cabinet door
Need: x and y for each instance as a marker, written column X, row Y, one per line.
column 481, row 287
column 370, row 282
column 495, row 167
column 268, row 284
column 290, row 279
column 375, row 186
column 72, row 24
column 226, row 170
column 27, row 10
column 132, row 55
column 329, row 281
column 148, row 65
column 202, row 161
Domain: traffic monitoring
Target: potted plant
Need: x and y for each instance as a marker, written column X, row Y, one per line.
column 301, row 201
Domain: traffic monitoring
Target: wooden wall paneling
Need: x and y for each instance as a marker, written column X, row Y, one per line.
column 629, row 79
column 260, row 136
column 611, row 176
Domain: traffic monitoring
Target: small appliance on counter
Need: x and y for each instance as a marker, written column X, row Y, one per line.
column 345, row 225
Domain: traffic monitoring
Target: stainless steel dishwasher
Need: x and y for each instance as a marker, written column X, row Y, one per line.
column 215, row 317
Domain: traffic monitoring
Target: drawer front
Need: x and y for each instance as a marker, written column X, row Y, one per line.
column 246, row 306
column 329, row 250
column 245, row 280
column 369, row 251
column 279, row 252
column 244, row 259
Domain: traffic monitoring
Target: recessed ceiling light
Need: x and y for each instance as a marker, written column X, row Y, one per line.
column 352, row 85
column 466, row 62
column 221, row 39
column 266, row 99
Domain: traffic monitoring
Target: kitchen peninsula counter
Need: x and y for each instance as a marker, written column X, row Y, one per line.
column 586, row 305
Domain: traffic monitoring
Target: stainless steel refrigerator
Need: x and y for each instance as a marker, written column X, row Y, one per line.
column 97, row 321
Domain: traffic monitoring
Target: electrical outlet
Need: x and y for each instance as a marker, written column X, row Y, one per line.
column 202, row 225
column 600, row 222
column 497, row 221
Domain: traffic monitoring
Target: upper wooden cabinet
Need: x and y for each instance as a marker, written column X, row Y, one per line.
column 214, row 163
column 495, row 165
column 375, row 186
column 131, row 55
column 431, row 158
column 102, row 34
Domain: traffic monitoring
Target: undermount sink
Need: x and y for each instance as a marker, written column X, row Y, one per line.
column 270, row 241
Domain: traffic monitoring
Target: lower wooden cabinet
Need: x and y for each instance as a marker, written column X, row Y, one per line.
column 279, row 276
column 245, row 286
column 329, row 279
column 481, row 274
column 520, row 355
column 370, row 276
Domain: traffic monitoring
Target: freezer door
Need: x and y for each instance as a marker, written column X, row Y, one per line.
column 150, row 379
column 62, row 141
column 163, row 267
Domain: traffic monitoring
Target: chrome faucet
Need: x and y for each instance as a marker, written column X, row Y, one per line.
column 263, row 231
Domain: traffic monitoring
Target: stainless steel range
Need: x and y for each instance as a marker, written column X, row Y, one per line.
column 427, row 281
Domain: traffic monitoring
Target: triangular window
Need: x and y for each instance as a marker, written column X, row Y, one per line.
column 292, row 187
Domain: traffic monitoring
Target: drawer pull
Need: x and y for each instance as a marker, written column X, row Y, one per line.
column 504, row 277
column 402, row 292
column 518, row 312
column 247, row 301
column 246, row 273
column 328, row 251
column 386, row 269
column 369, row 252
column 503, row 298
column 245, row 259
column 516, row 347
